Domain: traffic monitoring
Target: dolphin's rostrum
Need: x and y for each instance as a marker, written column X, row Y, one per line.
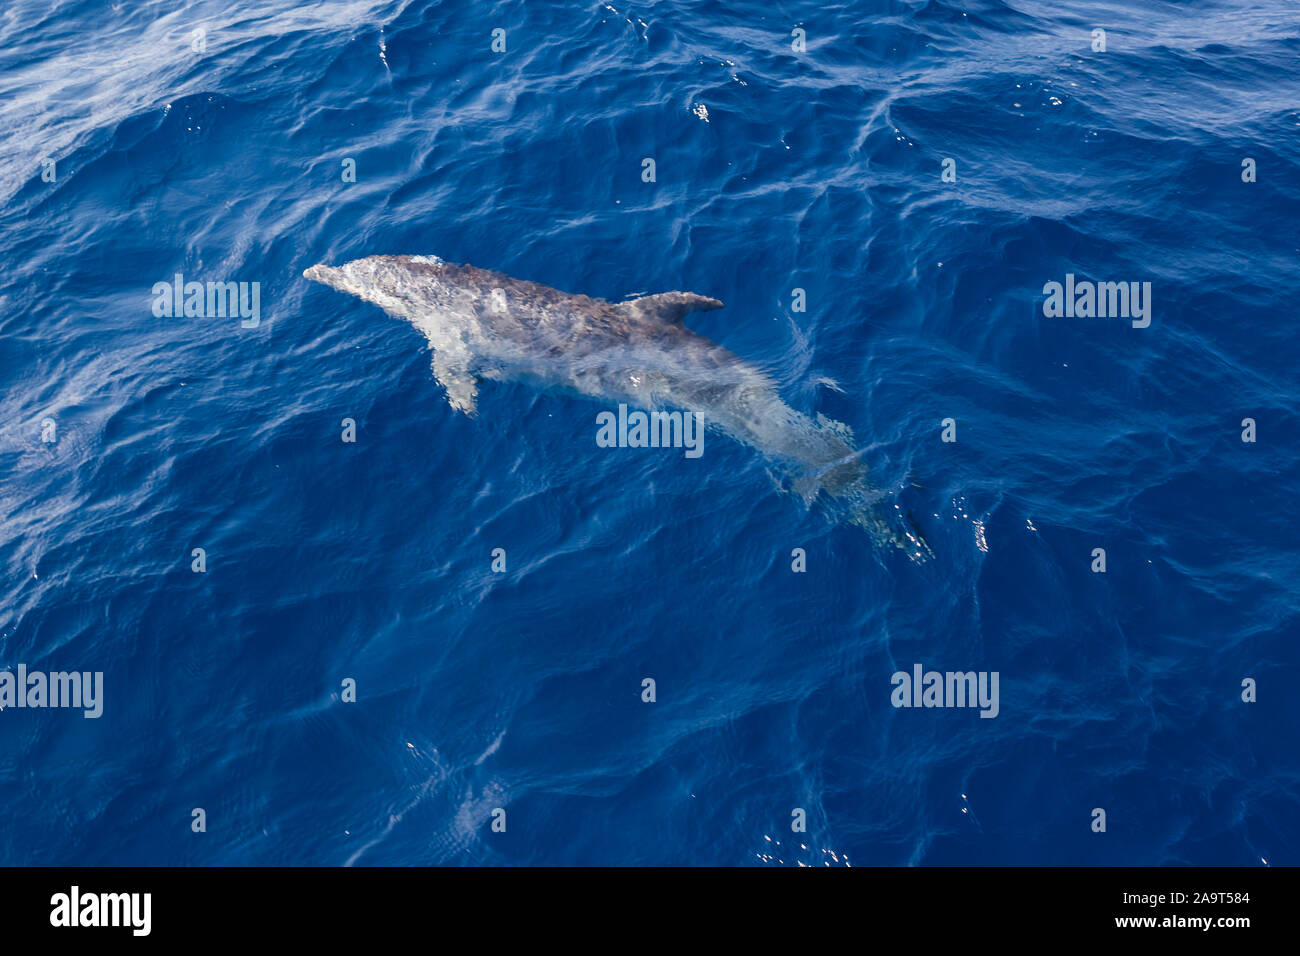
column 483, row 324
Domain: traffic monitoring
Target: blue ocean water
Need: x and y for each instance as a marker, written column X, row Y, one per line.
column 127, row 440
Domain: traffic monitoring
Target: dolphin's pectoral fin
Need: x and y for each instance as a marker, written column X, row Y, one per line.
column 669, row 307
column 451, row 369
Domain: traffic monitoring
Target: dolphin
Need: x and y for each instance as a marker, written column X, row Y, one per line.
column 486, row 325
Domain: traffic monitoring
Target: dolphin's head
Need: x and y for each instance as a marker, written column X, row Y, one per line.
column 383, row 280
column 326, row 275
column 380, row 280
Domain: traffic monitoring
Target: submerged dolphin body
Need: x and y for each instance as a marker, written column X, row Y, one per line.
column 483, row 324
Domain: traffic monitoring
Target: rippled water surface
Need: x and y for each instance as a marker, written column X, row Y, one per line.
column 220, row 156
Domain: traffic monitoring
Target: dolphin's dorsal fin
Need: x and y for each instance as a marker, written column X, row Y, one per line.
column 669, row 307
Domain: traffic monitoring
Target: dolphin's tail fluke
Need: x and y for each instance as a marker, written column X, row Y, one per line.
column 881, row 515
column 887, row 522
column 842, row 485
